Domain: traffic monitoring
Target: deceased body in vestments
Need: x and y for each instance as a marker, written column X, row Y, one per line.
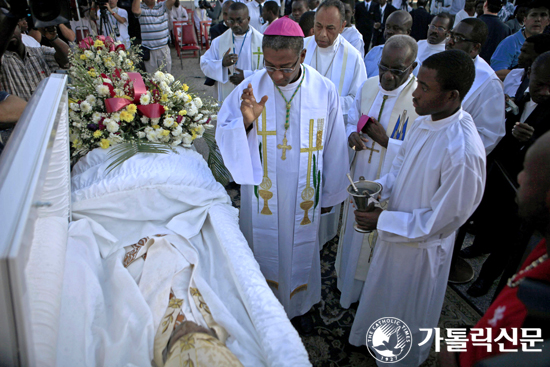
column 153, row 244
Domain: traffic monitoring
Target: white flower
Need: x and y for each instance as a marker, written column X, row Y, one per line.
column 148, row 129
column 119, row 92
column 144, row 119
column 89, row 54
column 141, row 134
column 163, row 86
column 145, row 98
column 168, row 122
column 186, row 139
column 102, row 90
column 96, row 117
column 152, row 136
column 198, row 117
column 155, row 121
column 124, row 76
column 180, row 95
column 170, row 78
column 112, row 126
column 177, row 131
column 176, row 142
column 158, row 76
column 128, row 63
column 91, row 100
column 116, row 116
column 121, row 53
column 199, row 130
column 85, row 107
column 105, row 80
column 115, row 139
column 198, row 102
column 192, row 111
column 74, row 106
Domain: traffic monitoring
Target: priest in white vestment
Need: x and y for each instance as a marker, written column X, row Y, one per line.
column 335, row 58
column 234, row 55
column 387, row 99
column 437, row 35
column 434, row 185
column 485, row 101
column 399, row 22
column 350, row 33
column 286, row 146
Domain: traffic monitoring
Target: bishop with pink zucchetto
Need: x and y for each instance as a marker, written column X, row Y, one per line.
column 282, row 137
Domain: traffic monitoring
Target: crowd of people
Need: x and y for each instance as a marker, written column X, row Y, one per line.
column 441, row 104
column 450, row 114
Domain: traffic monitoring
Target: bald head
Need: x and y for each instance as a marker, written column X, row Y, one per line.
column 399, row 22
column 406, row 45
column 533, row 195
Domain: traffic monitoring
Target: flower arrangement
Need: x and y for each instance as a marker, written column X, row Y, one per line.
column 110, row 103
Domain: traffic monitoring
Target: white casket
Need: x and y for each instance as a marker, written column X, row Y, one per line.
column 45, row 303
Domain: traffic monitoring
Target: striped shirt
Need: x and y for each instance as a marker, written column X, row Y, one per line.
column 21, row 77
column 154, row 26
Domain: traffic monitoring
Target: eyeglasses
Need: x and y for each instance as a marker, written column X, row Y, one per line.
column 432, row 27
column 397, row 72
column 271, row 69
column 233, row 21
column 457, row 39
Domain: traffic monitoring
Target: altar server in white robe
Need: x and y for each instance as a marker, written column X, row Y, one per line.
column 399, row 22
column 350, row 33
column 388, row 100
column 335, row 58
column 285, row 143
column 234, row 55
column 435, row 183
column 437, row 35
column 485, row 101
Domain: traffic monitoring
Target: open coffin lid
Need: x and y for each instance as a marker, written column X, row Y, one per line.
column 35, row 197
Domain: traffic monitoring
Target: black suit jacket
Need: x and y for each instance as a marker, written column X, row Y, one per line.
column 378, row 34
column 510, row 153
column 364, row 20
column 421, row 21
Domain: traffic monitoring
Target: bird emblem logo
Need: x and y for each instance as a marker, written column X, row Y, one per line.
column 389, row 339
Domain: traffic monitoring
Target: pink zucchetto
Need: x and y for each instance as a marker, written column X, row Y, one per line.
column 284, row 27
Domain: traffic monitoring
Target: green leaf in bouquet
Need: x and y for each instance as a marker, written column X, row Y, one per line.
column 120, row 153
column 215, row 160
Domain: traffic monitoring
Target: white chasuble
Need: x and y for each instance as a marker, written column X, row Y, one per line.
column 286, row 179
column 395, row 112
column 353, row 36
column 342, row 64
column 486, row 104
column 249, row 49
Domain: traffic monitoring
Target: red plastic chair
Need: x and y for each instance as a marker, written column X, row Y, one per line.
column 204, row 34
column 186, row 40
column 81, row 33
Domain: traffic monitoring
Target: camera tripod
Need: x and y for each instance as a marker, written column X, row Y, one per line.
column 105, row 26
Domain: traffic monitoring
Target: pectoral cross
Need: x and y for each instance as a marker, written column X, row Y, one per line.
column 284, row 147
column 372, row 150
column 309, row 192
column 266, row 182
column 259, row 53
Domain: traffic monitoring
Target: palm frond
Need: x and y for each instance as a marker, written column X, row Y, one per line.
column 126, row 150
column 215, row 160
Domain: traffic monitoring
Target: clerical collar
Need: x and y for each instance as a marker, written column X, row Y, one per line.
column 293, row 85
column 396, row 91
column 332, row 48
column 432, row 125
column 242, row 35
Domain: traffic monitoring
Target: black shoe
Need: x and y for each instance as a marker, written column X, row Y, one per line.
column 471, row 251
column 461, row 271
column 480, row 287
column 303, row 324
